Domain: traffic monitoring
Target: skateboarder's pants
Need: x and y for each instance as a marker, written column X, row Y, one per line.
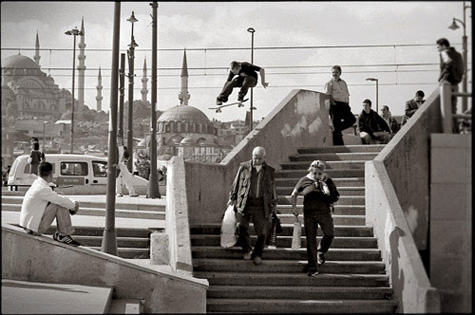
column 243, row 82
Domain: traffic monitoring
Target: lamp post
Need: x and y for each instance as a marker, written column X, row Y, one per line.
column 454, row 26
column 374, row 79
column 131, row 53
column 44, row 134
column 74, row 32
column 252, row 31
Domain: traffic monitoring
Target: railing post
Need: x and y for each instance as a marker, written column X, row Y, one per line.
column 446, row 107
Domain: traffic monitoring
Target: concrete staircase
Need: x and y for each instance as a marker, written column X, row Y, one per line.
column 353, row 279
column 132, row 243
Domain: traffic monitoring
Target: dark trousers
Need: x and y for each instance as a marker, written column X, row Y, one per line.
column 343, row 118
column 243, row 82
column 254, row 212
column 311, row 222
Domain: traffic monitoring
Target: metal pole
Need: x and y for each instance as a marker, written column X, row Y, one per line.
column 252, row 30
column 465, row 60
column 44, row 135
column 130, row 139
column 377, row 96
column 109, row 240
column 153, row 181
column 121, row 98
column 72, row 97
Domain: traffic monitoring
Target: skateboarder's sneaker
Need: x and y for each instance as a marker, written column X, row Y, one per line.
column 220, row 101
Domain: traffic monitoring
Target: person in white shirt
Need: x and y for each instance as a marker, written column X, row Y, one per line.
column 42, row 205
column 125, row 177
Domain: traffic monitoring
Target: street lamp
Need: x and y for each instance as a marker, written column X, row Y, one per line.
column 374, row 79
column 74, row 32
column 131, row 53
column 453, row 27
column 44, row 134
column 252, row 31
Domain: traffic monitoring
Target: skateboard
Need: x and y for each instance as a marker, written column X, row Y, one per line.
column 218, row 108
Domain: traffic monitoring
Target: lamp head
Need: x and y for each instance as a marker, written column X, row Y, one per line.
column 251, row 30
column 68, row 33
column 454, row 25
column 371, row 79
column 132, row 18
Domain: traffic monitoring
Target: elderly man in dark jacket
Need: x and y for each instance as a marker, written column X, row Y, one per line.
column 254, row 196
column 371, row 126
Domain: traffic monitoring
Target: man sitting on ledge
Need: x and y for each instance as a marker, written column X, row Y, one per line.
column 41, row 205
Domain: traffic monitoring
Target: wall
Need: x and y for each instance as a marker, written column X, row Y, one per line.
column 300, row 120
column 412, row 288
column 40, row 259
column 406, row 158
column 451, row 221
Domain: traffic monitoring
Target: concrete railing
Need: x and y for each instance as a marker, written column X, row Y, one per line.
column 411, row 286
column 40, row 259
column 397, row 207
column 300, row 120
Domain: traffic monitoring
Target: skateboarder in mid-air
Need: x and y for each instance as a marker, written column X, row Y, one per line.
column 243, row 75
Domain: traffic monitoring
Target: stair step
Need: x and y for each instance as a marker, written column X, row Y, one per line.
column 339, row 209
column 343, row 200
column 126, row 306
column 340, row 254
column 353, row 156
column 339, row 181
column 341, row 173
column 251, row 279
column 330, row 165
column 286, row 241
column 119, row 213
column 299, row 292
column 342, row 149
column 344, row 191
column 359, row 220
column 293, row 306
column 286, row 266
column 287, row 229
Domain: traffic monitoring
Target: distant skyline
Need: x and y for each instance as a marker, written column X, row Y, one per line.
column 407, row 63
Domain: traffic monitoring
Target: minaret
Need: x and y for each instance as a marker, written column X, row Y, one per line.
column 99, row 91
column 184, row 96
column 37, row 56
column 144, row 90
column 81, row 67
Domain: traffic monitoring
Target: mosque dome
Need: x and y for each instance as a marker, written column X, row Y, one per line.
column 183, row 113
column 19, row 61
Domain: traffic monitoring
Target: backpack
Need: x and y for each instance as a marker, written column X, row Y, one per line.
column 457, row 67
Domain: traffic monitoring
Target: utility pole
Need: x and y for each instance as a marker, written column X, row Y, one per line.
column 131, row 53
column 121, row 98
column 153, row 181
column 109, row 240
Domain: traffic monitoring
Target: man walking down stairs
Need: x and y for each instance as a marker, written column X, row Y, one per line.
column 353, row 278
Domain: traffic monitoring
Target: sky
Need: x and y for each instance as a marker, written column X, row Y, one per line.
column 296, row 43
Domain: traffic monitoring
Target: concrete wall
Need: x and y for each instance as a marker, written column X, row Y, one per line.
column 412, row 288
column 451, row 221
column 406, row 158
column 300, row 120
column 40, row 259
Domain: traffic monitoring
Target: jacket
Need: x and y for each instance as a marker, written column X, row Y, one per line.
column 371, row 123
column 242, row 184
column 34, row 204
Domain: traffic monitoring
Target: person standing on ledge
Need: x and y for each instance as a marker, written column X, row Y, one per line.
column 340, row 109
column 243, row 75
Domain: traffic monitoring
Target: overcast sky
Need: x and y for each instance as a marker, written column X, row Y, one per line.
column 407, row 63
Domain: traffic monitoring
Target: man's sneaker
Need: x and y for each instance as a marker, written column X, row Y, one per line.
column 247, row 256
column 312, row 273
column 65, row 239
column 321, row 258
column 257, row 260
column 120, row 195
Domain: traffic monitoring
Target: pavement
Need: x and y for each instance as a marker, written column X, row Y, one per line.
column 98, row 221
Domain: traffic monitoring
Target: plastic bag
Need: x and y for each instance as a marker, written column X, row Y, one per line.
column 228, row 228
column 297, row 234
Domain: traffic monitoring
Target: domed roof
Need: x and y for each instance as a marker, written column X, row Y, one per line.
column 19, row 61
column 184, row 113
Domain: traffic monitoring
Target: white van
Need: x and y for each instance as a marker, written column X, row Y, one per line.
column 77, row 174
